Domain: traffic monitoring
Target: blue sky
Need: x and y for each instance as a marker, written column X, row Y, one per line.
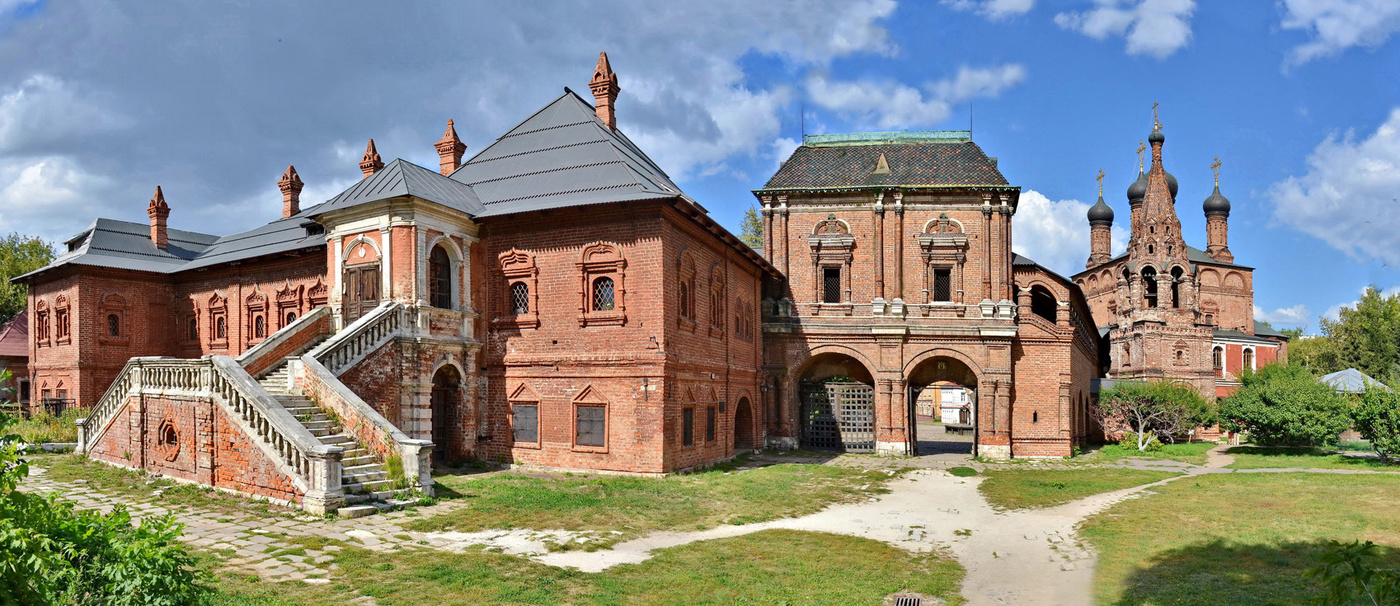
column 101, row 100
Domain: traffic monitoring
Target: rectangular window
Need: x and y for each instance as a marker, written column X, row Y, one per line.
column 527, row 422
column 688, row 427
column 942, row 285
column 831, row 284
column 592, row 426
column 710, row 420
column 23, row 391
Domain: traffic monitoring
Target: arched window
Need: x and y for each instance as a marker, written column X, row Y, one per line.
column 1149, row 286
column 603, row 294
column 259, row 327
column 1176, row 287
column 291, row 317
column 439, row 279
column 685, row 300
column 520, row 298
column 1218, row 357
column 1043, row 303
column 1248, row 359
column 114, row 325
column 220, row 328
column 1127, row 354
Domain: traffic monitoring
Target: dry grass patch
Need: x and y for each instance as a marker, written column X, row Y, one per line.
column 1264, row 457
column 1030, row 488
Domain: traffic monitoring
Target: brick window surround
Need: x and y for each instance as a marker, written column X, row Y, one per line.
column 518, row 270
column 831, row 243
column 688, row 426
column 218, row 322
column 257, row 327
column 590, row 421
column 288, row 304
column 602, row 260
column 525, row 417
column 944, row 252
column 686, row 292
column 112, row 310
column 62, row 321
column 41, row 324
column 717, row 315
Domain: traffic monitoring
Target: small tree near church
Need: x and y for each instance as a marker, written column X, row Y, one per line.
column 1154, row 411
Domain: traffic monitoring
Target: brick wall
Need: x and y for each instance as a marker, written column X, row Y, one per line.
column 191, row 439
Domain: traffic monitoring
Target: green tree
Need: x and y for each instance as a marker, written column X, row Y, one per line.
column 51, row 553
column 1283, row 405
column 1348, row 573
column 19, row 255
column 1377, row 418
column 1316, row 354
column 751, row 228
column 1154, row 410
column 1367, row 336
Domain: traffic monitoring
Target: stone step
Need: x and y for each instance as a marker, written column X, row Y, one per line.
column 361, row 468
column 357, row 498
column 356, row 511
column 337, row 440
column 356, row 461
column 365, row 487
column 363, row 478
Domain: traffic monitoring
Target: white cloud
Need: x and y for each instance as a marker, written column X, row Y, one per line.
column 1337, row 25
column 995, row 10
column 1157, row 28
column 1334, row 312
column 1350, row 196
column 890, row 105
column 1284, row 316
column 43, row 109
column 47, row 194
column 1056, row 233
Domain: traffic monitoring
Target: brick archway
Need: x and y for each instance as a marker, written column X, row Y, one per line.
column 942, row 403
column 745, row 426
column 836, row 403
column 445, row 404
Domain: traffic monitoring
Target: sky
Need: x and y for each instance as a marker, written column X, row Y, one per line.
column 100, row 101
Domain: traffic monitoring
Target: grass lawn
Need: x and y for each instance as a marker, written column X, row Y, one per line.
column 1024, row 488
column 634, row 506
column 133, row 483
column 768, row 567
column 1236, row 538
column 1185, row 452
column 1259, row 457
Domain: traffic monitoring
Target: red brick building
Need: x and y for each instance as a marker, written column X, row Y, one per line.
column 901, row 276
column 14, row 357
column 554, row 300
column 1166, row 310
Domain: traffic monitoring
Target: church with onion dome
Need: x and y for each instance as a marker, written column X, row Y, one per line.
column 1165, row 309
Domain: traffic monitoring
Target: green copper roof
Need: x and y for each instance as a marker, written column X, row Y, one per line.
column 893, row 136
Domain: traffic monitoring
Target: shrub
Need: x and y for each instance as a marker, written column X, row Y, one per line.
column 53, row 554
column 1153, row 411
column 43, row 427
column 1130, row 440
column 1377, row 418
column 1283, row 405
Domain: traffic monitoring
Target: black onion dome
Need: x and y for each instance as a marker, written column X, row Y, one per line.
column 1138, row 189
column 1156, row 137
column 1216, row 204
column 1100, row 212
column 1171, row 184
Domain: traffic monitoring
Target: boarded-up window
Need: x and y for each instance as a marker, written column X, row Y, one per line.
column 592, row 426
column 527, row 422
column 688, row 427
column 831, row 284
column 942, row 285
column 710, row 420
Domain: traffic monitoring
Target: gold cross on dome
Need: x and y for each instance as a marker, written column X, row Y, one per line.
column 1156, row 124
column 1141, row 147
column 1100, row 178
column 1215, row 167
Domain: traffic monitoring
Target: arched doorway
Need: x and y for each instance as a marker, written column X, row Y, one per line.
column 744, row 438
column 447, row 394
column 943, row 406
column 837, row 397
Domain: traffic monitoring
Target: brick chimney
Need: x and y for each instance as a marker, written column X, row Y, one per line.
column 605, row 91
column 371, row 163
column 450, row 150
column 159, row 211
column 291, row 185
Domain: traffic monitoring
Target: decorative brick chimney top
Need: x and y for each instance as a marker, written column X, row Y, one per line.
column 605, row 91
column 371, row 163
column 159, row 211
column 291, row 185
column 450, row 150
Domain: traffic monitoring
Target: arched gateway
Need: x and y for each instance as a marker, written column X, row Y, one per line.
column 942, row 394
column 837, row 404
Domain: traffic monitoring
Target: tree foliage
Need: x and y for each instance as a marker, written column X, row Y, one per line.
column 1283, row 405
column 19, row 255
column 751, row 229
column 51, row 553
column 1154, row 410
column 1377, row 418
column 1348, row 574
column 1366, row 337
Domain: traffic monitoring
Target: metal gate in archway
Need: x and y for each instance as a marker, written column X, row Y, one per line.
column 838, row 416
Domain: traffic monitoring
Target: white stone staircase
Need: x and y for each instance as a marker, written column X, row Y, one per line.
column 364, row 480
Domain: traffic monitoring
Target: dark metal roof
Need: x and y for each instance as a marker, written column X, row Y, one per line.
column 1264, row 330
column 282, row 235
column 1223, row 333
column 916, row 162
column 1100, row 212
column 1216, row 204
column 403, row 178
column 561, row 156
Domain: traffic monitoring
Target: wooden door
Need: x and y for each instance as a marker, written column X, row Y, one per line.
column 361, row 288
